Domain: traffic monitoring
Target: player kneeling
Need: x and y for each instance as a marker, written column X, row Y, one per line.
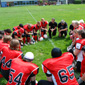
column 8, row 53
column 44, row 27
column 23, row 71
column 57, row 72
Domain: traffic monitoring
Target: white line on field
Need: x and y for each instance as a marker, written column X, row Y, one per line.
column 36, row 21
column 31, row 15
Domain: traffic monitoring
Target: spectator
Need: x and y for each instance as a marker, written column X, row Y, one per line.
column 52, row 28
column 62, row 28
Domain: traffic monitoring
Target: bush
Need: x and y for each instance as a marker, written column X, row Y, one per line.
column 77, row 2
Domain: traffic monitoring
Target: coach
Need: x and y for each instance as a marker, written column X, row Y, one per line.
column 62, row 28
column 52, row 28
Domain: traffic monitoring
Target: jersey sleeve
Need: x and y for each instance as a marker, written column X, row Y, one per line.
column 78, row 46
column 59, row 25
column 19, row 54
column 55, row 24
column 35, row 71
column 49, row 23
column 66, row 25
column 46, row 71
column 15, row 33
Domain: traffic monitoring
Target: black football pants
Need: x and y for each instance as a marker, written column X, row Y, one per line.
column 44, row 82
column 50, row 35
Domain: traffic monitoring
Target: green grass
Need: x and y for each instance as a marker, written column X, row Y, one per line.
column 12, row 16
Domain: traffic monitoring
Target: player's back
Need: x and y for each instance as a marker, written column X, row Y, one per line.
column 61, row 69
column 20, row 70
column 7, row 57
column 2, row 44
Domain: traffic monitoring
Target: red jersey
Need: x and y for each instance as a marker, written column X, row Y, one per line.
column 17, row 28
column 61, row 69
column 43, row 25
column 79, row 44
column 17, row 33
column 28, row 29
column 20, row 71
column 83, row 25
column 7, row 57
column 83, row 66
column 37, row 27
column 2, row 45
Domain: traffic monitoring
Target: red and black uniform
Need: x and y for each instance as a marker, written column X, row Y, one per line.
column 83, row 25
column 79, row 44
column 82, row 66
column 62, row 73
column 43, row 25
column 6, row 59
column 16, row 28
column 27, row 35
column 2, row 45
column 35, row 30
column 18, row 32
column 21, row 72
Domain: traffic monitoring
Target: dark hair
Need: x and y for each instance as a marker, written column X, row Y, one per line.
column 21, row 25
column 53, row 19
column 8, row 30
column 1, row 32
column 82, row 33
column 56, row 52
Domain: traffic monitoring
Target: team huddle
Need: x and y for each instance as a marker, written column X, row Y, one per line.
column 18, row 69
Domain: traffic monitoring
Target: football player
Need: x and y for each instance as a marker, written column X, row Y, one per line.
column 37, row 27
column 7, row 32
column 18, row 27
column 57, row 72
column 78, row 46
column 17, row 34
column 81, row 80
column 23, row 71
column 4, row 43
column 44, row 27
column 8, row 53
column 28, row 31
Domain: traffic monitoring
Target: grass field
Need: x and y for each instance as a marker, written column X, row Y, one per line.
column 12, row 16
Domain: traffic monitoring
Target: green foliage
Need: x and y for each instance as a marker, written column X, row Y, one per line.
column 13, row 16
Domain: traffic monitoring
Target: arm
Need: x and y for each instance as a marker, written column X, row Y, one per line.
column 76, row 52
column 33, row 80
column 81, row 79
column 50, row 79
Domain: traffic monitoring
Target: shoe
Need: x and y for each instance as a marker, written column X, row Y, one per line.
column 28, row 43
column 35, row 41
column 21, row 46
column 25, row 44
